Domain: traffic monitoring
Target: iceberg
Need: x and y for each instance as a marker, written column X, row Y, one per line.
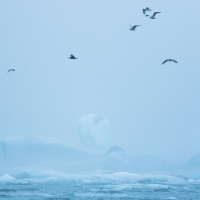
column 190, row 167
column 102, row 164
column 28, row 164
column 49, row 154
column 17, row 152
column 117, row 150
column 95, row 132
column 193, row 163
column 7, row 178
column 147, row 163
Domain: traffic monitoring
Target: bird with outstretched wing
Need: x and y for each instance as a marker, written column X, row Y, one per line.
column 154, row 14
column 134, row 27
column 169, row 60
column 11, row 70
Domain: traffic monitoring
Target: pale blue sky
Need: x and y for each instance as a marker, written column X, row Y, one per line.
column 154, row 108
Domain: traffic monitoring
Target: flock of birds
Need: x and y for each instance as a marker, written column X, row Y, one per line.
column 133, row 28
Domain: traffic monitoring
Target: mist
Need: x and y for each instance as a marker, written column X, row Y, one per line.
column 115, row 108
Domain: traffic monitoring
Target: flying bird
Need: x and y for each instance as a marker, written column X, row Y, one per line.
column 169, row 60
column 146, row 9
column 154, row 14
column 133, row 27
column 72, row 57
column 11, row 70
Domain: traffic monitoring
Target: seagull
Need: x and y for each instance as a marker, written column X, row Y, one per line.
column 169, row 61
column 72, row 57
column 133, row 27
column 146, row 9
column 154, row 14
column 11, row 70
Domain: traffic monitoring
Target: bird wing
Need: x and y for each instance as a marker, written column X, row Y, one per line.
column 154, row 14
column 72, row 56
column 132, row 27
column 136, row 26
column 144, row 10
column 164, row 62
column 11, row 70
column 175, row 61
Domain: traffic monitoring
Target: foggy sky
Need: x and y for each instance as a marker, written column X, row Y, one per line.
column 154, row 108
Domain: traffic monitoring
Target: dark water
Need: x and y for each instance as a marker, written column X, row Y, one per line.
column 99, row 190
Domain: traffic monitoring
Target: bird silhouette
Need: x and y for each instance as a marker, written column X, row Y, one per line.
column 11, row 70
column 133, row 27
column 154, row 14
column 169, row 60
column 146, row 9
column 72, row 57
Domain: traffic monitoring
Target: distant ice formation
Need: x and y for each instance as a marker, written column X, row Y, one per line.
column 101, row 164
column 97, row 154
column 194, row 161
column 117, row 150
column 95, row 132
column 192, row 165
column 39, row 151
column 44, row 153
column 50, row 154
